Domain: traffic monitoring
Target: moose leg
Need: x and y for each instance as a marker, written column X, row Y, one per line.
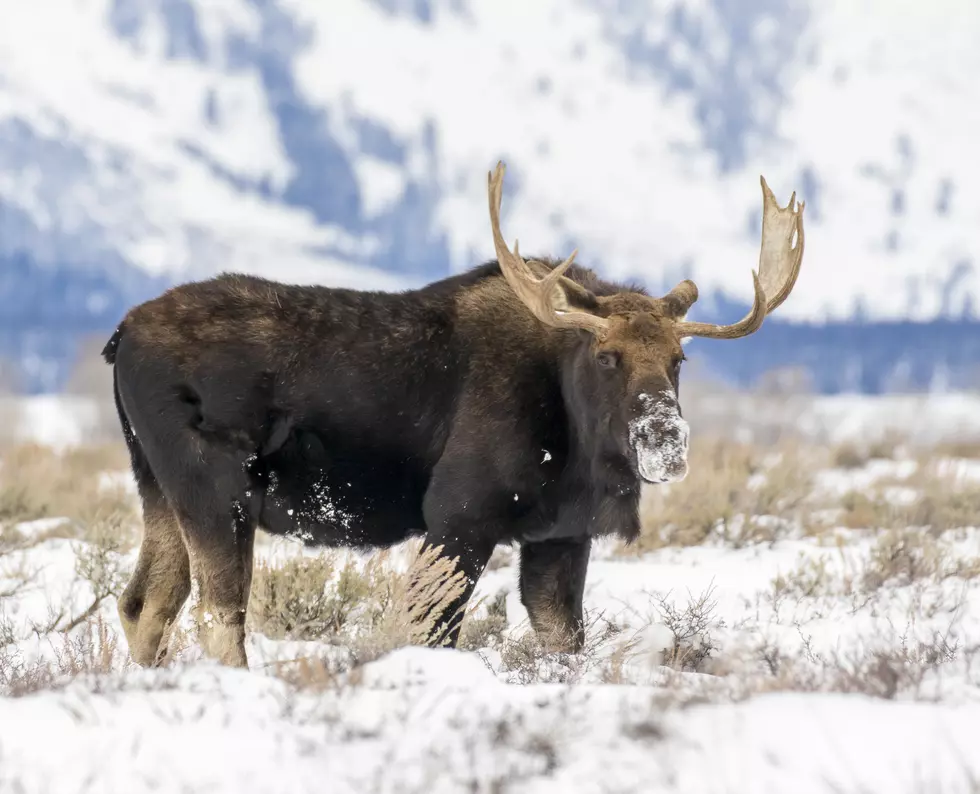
column 221, row 541
column 458, row 484
column 160, row 584
column 208, row 487
column 552, row 582
column 473, row 552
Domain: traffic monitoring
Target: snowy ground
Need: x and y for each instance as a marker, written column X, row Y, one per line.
column 811, row 654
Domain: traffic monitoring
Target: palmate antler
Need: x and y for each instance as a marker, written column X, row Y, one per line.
column 779, row 266
column 545, row 297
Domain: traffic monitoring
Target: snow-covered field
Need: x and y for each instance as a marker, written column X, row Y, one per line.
column 821, row 633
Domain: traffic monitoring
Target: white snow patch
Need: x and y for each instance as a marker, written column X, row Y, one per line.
column 162, row 140
column 229, row 731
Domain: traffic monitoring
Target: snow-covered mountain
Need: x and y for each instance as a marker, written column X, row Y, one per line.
column 148, row 141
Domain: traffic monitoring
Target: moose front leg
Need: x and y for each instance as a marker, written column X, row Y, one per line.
column 472, row 552
column 552, row 583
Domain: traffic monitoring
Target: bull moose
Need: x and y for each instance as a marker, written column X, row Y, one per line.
column 522, row 401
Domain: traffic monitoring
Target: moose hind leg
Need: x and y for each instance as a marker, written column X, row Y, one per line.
column 552, row 583
column 210, row 491
column 160, row 583
column 221, row 540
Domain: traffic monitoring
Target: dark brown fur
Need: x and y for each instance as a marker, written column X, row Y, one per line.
column 363, row 418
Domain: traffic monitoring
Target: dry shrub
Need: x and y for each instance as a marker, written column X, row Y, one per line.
column 39, row 482
column 945, row 504
column 372, row 609
column 8, row 636
column 860, row 510
column 99, row 564
column 303, row 599
column 11, row 540
column 10, row 412
column 691, row 628
column 614, row 671
column 809, row 579
column 849, row 456
column 730, row 485
column 907, row 555
column 311, row 674
column 968, row 449
column 416, row 610
column 486, row 631
column 899, row 557
column 20, row 502
column 90, row 652
column 15, row 577
column 528, row 661
column 941, row 504
column 886, row 446
column 785, row 484
column 903, row 557
column 885, row 673
column 522, row 656
column 99, row 561
column 685, row 513
column 529, row 658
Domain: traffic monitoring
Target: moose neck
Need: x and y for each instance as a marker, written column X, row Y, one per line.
column 604, row 491
column 592, row 453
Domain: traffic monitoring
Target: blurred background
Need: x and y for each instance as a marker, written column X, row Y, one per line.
column 149, row 142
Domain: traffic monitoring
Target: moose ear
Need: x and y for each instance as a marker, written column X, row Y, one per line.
column 578, row 297
column 678, row 302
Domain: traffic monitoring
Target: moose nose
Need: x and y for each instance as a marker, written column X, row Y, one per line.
column 659, row 438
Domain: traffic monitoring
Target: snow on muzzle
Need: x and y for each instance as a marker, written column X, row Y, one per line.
column 659, row 437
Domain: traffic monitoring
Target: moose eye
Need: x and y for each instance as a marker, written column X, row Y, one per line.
column 607, row 359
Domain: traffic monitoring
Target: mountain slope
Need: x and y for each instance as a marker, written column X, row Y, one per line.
column 148, row 141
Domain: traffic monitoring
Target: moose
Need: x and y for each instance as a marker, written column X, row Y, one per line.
column 525, row 401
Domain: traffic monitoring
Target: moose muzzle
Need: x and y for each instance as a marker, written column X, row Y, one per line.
column 658, row 437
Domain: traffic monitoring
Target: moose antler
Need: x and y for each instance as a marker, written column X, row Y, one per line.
column 779, row 266
column 545, row 297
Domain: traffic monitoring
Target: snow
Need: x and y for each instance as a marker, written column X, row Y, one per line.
column 735, row 665
column 613, row 719
column 870, row 117
column 221, row 732
column 166, row 211
column 659, row 435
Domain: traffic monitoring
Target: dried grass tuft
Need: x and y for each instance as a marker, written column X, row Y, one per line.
column 736, row 493
column 420, row 605
column 371, row 609
column 39, row 482
column 91, row 652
